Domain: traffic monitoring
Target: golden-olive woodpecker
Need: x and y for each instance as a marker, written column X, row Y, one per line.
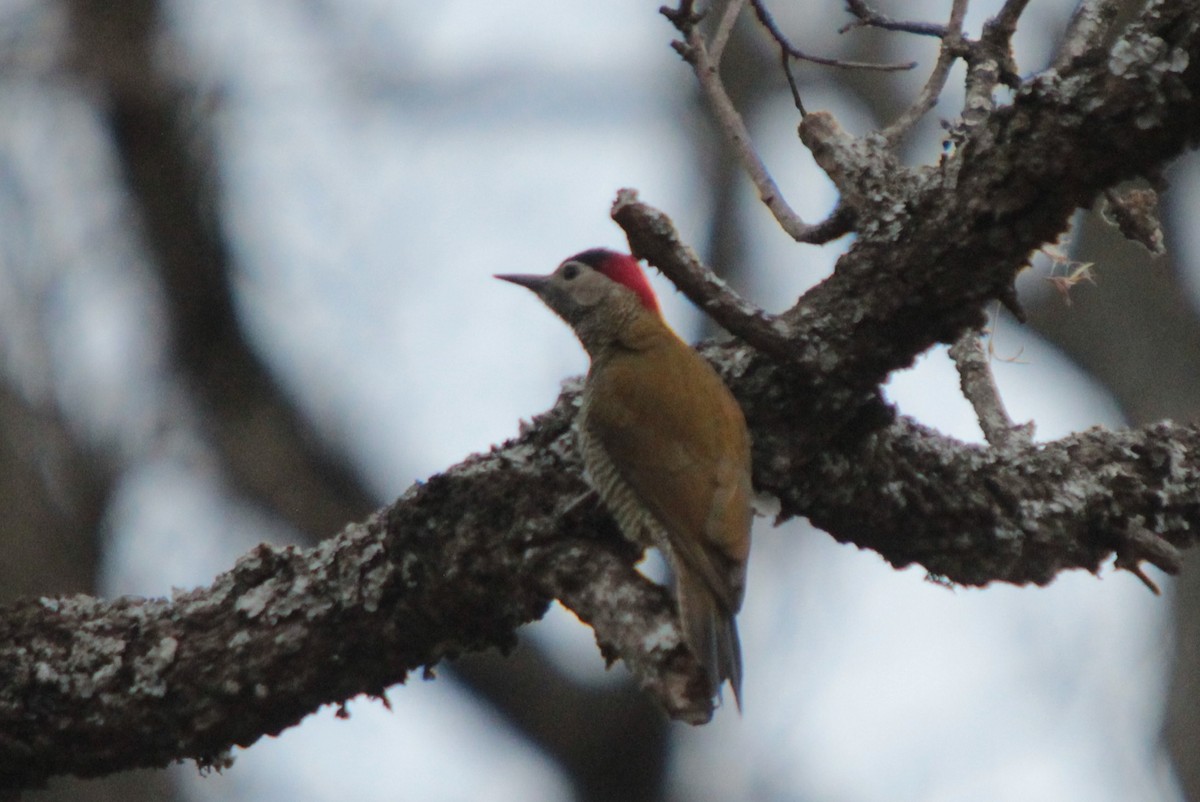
column 664, row 444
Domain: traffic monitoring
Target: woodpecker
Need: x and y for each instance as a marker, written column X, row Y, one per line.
column 664, row 445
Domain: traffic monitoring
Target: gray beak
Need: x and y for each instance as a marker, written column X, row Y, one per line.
column 535, row 283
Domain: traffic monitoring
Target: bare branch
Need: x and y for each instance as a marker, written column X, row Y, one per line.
column 1087, row 31
column 694, row 51
column 1010, row 13
column 979, row 387
column 789, row 49
column 652, row 236
column 720, row 37
column 952, row 38
column 785, row 61
column 868, row 16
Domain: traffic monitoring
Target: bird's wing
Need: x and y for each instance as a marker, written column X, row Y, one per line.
column 677, row 437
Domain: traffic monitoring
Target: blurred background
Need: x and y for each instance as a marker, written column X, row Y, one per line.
column 245, row 295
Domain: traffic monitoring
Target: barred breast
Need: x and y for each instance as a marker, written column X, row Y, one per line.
column 634, row 520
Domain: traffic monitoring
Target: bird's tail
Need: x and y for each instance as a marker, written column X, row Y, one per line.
column 710, row 631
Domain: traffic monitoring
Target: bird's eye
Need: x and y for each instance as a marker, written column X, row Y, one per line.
column 570, row 271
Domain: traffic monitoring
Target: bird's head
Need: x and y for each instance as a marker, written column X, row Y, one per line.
column 598, row 292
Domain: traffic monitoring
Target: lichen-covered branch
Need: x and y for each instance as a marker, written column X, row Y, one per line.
column 1086, row 32
column 457, row 563
column 973, row 515
column 936, row 245
column 90, row 687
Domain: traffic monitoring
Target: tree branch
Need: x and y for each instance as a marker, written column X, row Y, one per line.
column 694, row 51
column 1087, row 31
column 974, row 515
column 990, row 62
column 1006, row 20
column 951, row 43
column 979, row 388
column 935, row 246
column 653, row 237
column 868, row 16
column 789, row 49
column 720, row 37
column 458, row 563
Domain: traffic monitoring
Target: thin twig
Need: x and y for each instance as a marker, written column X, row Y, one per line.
column 785, row 56
column 768, row 22
column 1087, row 31
column 979, row 388
column 720, row 37
column 785, row 61
column 952, row 38
column 869, row 17
column 1139, row 545
column 695, row 52
column 653, row 237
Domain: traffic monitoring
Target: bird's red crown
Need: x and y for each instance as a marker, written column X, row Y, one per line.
column 623, row 269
